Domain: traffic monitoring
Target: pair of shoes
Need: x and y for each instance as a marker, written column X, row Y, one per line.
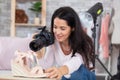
column 24, row 71
column 20, row 67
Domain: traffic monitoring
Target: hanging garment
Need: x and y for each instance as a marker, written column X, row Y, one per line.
column 104, row 40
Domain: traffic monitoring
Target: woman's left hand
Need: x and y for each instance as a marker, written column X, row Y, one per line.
column 54, row 73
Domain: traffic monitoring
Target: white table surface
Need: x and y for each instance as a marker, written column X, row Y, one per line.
column 7, row 75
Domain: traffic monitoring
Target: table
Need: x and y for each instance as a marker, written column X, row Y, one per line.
column 7, row 75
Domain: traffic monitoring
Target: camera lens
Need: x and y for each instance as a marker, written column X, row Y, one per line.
column 43, row 39
column 36, row 45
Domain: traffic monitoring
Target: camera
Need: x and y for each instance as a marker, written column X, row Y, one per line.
column 42, row 39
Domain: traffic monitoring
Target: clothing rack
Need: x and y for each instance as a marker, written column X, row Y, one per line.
column 96, row 44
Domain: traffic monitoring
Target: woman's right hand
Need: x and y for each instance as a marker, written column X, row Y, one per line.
column 33, row 35
column 39, row 54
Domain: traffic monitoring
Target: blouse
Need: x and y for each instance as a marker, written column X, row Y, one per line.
column 54, row 56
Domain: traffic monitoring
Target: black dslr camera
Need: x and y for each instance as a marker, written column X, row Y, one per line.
column 43, row 39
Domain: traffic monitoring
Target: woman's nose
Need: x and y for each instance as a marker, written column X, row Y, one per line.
column 57, row 31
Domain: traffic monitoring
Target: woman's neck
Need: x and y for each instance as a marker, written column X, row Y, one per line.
column 66, row 48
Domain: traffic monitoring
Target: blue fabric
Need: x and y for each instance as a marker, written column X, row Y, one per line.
column 81, row 74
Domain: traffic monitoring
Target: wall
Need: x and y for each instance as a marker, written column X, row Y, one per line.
column 5, row 13
column 5, row 19
column 78, row 5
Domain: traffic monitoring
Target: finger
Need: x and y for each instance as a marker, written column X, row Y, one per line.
column 34, row 35
column 54, row 76
column 52, row 73
column 58, row 77
column 49, row 70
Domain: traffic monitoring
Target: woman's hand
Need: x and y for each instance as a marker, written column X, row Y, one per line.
column 54, row 73
column 33, row 35
column 40, row 53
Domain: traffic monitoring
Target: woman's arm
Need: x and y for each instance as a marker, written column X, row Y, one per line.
column 68, row 67
column 74, row 63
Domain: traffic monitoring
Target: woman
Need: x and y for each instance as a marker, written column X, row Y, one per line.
column 72, row 52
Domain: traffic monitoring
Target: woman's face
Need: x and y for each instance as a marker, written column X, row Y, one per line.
column 61, row 30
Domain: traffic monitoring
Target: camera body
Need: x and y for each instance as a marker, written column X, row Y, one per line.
column 43, row 39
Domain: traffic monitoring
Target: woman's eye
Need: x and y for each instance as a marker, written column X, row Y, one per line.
column 55, row 27
column 63, row 28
